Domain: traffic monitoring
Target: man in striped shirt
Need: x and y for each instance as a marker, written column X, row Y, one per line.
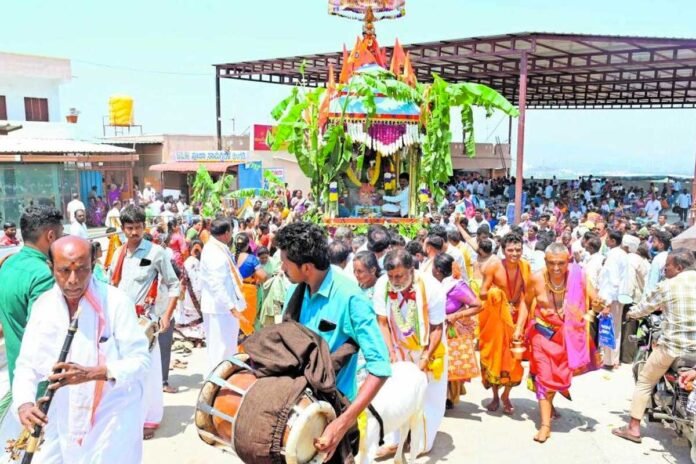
column 676, row 297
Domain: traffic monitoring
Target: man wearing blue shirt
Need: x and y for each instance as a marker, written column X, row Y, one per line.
column 335, row 308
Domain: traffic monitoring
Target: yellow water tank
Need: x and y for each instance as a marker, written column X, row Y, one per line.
column 120, row 110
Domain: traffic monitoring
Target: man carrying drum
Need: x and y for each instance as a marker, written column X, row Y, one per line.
column 334, row 307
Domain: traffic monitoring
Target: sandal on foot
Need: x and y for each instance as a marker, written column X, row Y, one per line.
column 169, row 389
column 547, row 436
column 626, row 435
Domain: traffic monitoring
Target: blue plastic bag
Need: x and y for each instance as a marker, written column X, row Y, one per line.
column 606, row 331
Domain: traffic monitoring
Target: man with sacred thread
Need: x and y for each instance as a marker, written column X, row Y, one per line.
column 558, row 334
column 410, row 309
column 502, row 321
column 96, row 415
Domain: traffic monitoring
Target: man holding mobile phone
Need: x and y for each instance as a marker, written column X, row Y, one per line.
column 334, row 307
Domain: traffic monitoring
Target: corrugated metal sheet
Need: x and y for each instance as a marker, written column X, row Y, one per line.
column 135, row 139
column 17, row 145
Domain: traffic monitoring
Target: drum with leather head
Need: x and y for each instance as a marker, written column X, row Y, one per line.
column 150, row 328
column 265, row 420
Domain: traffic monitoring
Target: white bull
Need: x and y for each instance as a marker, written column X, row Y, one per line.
column 400, row 404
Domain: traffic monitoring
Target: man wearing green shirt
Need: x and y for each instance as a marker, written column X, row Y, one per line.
column 25, row 276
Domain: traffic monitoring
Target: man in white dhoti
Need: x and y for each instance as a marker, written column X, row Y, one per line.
column 410, row 309
column 398, row 204
column 140, row 269
column 611, row 281
column 96, row 413
column 222, row 301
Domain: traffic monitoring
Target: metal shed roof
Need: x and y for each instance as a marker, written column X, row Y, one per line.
column 564, row 70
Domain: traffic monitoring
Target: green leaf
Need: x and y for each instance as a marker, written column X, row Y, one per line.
column 251, row 193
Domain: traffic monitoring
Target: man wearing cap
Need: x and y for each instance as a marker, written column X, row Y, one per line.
column 632, row 292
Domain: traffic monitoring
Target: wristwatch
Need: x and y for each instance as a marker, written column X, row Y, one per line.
column 109, row 376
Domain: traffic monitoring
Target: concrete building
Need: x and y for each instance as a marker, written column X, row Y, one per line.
column 162, row 165
column 41, row 161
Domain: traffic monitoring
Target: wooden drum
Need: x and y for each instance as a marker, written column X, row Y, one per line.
column 222, row 396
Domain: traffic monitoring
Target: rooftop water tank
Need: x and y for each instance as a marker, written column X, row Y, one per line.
column 120, row 110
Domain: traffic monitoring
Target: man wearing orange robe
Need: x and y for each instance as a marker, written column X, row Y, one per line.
column 502, row 320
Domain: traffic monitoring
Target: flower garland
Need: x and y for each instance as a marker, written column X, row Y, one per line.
column 352, row 176
column 408, row 326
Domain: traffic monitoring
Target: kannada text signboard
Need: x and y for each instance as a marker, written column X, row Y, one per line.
column 211, row 156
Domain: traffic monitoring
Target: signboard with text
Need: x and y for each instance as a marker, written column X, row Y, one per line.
column 211, row 156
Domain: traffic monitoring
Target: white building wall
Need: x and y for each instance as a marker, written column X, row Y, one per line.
column 32, row 76
column 15, row 88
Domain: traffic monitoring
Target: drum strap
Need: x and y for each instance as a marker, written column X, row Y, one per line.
column 374, row 412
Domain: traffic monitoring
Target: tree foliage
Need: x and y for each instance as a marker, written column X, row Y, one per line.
column 208, row 193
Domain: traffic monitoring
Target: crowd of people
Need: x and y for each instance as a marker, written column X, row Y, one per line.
column 469, row 295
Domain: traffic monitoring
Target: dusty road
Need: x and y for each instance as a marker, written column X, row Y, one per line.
column 469, row 433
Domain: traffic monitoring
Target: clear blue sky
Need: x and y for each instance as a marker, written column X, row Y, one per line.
column 176, row 36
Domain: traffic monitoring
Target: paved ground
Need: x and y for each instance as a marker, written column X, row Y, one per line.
column 469, row 433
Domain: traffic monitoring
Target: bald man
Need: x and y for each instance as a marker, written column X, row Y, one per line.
column 96, row 414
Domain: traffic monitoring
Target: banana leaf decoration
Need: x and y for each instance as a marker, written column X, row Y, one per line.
column 323, row 153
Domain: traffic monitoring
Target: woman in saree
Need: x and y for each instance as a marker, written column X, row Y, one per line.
column 91, row 210
column 177, row 243
column 460, row 326
column 114, row 193
column 253, row 276
column 189, row 318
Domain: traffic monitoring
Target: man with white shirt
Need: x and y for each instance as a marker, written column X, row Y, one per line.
column 453, row 251
column 96, row 414
column 222, row 300
column 477, row 221
column 79, row 228
column 399, row 293
column 587, row 196
column 661, row 243
column 73, row 206
column 113, row 217
column 503, row 228
column 683, row 204
column 611, row 282
column 142, row 270
column 595, row 260
column 398, row 204
column 148, row 194
column 653, row 208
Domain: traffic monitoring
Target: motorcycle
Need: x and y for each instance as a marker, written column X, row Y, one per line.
column 668, row 400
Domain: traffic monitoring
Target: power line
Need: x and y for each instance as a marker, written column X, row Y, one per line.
column 141, row 70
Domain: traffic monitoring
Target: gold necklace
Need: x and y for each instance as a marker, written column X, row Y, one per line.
column 557, row 289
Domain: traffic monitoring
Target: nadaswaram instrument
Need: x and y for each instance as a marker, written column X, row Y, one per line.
column 29, row 442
